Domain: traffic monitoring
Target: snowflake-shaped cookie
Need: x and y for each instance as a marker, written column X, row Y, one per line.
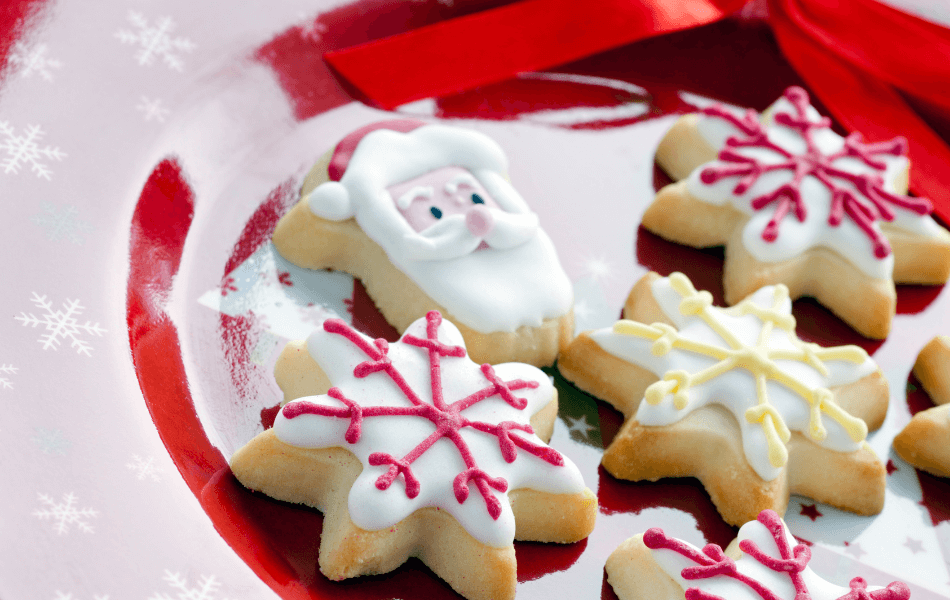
column 741, row 403
column 925, row 441
column 796, row 203
column 765, row 563
column 416, row 446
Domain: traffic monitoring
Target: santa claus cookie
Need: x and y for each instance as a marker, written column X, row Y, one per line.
column 424, row 216
column 734, row 398
column 416, row 450
column 925, row 441
column 763, row 563
column 795, row 203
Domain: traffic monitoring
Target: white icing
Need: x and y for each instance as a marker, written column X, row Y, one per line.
column 423, row 192
column 459, row 181
column 436, row 469
column 673, row 564
column 795, row 237
column 735, row 389
column 520, row 282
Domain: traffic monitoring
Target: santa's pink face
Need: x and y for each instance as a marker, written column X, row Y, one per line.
column 427, row 199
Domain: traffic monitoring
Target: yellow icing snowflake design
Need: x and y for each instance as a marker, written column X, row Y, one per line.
column 758, row 360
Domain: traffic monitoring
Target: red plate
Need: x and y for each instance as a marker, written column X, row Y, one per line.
column 203, row 330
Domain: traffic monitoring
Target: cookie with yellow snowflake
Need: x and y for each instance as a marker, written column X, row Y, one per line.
column 734, row 398
column 925, row 441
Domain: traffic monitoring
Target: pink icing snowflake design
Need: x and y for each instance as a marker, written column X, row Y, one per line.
column 446, row 417
column 792, row 562
column 860, row 197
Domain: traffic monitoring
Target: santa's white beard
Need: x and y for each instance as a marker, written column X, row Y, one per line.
column 497, row 289
column 451, row 238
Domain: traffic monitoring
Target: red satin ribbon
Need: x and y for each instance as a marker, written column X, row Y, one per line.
column 854, row 54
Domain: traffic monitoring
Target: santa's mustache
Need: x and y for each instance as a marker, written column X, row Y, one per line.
column 460, row 234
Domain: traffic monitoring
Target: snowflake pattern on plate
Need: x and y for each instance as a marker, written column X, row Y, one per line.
column 65, row 514
column 24, row 149
column 206, row 588
column 5, row 371
column 144, row 468
column 428, row 424
column 69, row 596
column 61, row 223
column 50, row 441
column 33, row 59
column 152, row 108
column 61, row 325
column 155, row 41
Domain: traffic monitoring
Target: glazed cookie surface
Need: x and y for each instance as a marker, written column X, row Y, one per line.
column 423, row 214
column 411, row 449
column 925, row 441
column 795, row 203
column 765, row 561
column 734, row 398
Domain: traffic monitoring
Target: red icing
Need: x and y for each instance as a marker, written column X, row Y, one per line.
column 896, row 590
column 447, row 417
column 712, row 562
column 869, row 204
column 347, row 146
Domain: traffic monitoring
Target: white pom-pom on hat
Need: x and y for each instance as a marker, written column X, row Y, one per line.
column 331, row 200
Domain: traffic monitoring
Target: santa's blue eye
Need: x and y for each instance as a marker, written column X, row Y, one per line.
column 436, row 212
column 476, row 199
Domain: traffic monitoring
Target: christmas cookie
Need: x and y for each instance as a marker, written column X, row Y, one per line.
column 734, row 398
column 925, row 441
column 764, row 562
column 416, row 450
column 795, row 203
column 425, row 217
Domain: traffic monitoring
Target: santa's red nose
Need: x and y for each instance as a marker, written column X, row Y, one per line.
column 479, row 220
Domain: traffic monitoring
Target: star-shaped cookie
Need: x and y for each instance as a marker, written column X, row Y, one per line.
column 925, row 441
column 411, row 449
column 734, row 398
column 795, row 203
column 765, row 561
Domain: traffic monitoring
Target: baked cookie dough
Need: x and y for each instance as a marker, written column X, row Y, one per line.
column 411, row 449
column 423, row 214
column 735, row 399
column 925, row 441
column 797, row 204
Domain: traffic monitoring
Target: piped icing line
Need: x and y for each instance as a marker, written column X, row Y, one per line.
column 791, row 563
column 746, row 358
column 758, row 360
column 446, row 417
column 862, row 197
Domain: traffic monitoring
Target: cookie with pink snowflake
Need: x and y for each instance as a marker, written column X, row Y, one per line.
column 425, row 216
column 925, row 441
column 795, row 203
column 732, row 397
column 411, row 449
column 764, row 562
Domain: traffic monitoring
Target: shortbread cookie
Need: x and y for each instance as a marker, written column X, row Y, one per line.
column 424, row 216
column 795, row 203
column 418, row 451
column 734, row 398
column 925, row 441
column 764, row 562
